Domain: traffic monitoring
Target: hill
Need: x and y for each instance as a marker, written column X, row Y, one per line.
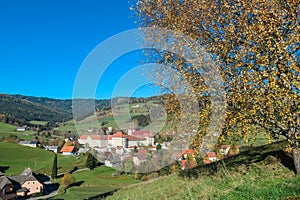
column 20, row 110
column 264, row 172
column 39, row 160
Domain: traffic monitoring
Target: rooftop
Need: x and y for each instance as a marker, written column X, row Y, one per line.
column 67, row 149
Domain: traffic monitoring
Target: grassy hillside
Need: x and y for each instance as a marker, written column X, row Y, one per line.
column 14, row 158
column 7, row 129
column 92, row 183
column 118, row 119
column 21, row 110
column 262, row 173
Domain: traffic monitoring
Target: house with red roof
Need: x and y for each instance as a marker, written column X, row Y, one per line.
column 68, row 150
column 211, row 156
column 148, row 135
column 187, row 152
column 224, row 149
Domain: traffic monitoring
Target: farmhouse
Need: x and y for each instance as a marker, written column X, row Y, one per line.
column 68, row 150
column 26, row 183
column 52, row 148
column 6, row 188
column 33, row 144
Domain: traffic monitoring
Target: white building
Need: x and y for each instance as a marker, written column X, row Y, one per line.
column 33, row 144
column 52, row 148
column 93, row 140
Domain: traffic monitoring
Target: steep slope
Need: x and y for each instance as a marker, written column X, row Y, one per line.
column 18, row 109
column 264, row 172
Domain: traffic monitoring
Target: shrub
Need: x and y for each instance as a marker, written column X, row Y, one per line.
column 67, row 180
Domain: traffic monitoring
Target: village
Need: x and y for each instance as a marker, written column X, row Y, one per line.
column 115, row 147
column 131, row 151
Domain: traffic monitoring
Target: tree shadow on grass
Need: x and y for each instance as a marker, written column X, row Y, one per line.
column 77, row 183
column 42, row 177
column 48, row 188
column 246, row 157
column 73, row 170
column 3, row 168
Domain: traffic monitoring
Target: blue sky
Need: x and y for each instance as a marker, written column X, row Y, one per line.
column 44, row 42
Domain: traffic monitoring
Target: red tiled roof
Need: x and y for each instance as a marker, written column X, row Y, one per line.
column 177, row 155
column 83, row 137
column 132, row 138
column 67, row 149
column 118, row 134
column 211, row 154
column 94, row 137
column 142, row 133
column 225, row 146
column 142, row 151
column 188, row 151
column 206, row 161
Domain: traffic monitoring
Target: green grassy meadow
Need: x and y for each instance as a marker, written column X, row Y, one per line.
column 7, row 129
column 17, row 157
column 91, row 183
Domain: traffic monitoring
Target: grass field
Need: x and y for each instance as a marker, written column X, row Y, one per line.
column 120, row 120
column 257, row 174
column 95, row 182
column 16, row 157
column 7, row 129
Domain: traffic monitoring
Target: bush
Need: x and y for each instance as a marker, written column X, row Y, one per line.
column 145, row 178
column 67, row 180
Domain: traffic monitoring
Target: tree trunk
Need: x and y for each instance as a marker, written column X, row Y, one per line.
column 296, row 156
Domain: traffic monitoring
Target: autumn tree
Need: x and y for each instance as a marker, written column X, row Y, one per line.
column 256, row 48
column 67, row 180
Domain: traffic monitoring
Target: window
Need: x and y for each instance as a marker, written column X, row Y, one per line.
column 33, row 183
column 37, row 188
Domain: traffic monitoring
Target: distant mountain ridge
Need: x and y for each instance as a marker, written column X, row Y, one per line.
column 20, row 109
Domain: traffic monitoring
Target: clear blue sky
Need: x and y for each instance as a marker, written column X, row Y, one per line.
column 44, row 42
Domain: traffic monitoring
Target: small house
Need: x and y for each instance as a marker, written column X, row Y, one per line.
column 27, row 183
column 33, row 144
column 6, row 188
column 52, row 148
column 68, row 150
column 21, row 128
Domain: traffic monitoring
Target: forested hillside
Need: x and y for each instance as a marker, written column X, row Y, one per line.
column 20, row 110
